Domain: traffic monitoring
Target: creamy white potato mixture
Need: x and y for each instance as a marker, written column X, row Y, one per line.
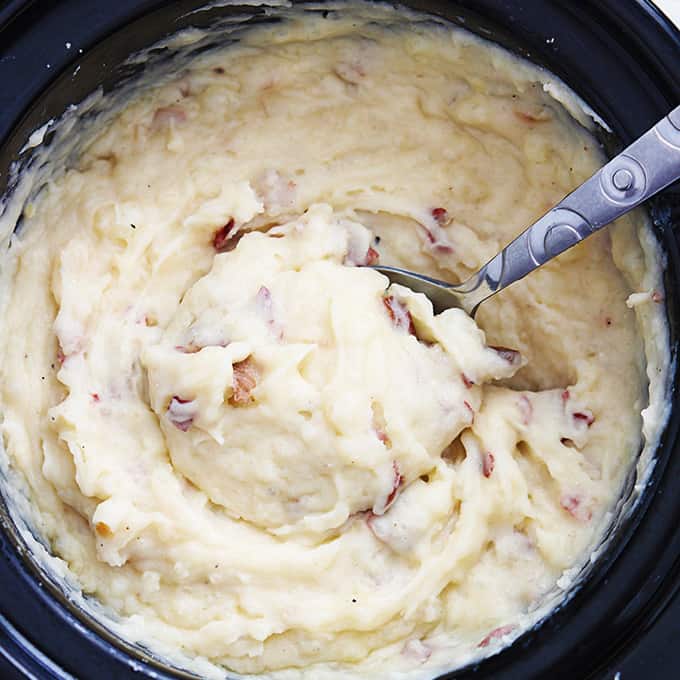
column 249, row 446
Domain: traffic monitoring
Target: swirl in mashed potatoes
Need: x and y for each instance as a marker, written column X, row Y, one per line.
column 256, row 451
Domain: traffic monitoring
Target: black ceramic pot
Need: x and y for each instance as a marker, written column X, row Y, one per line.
column 623, row 58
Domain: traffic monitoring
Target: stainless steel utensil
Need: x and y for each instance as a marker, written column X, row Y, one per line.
column 647, row 166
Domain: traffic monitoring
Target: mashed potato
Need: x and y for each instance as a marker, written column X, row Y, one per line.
column 250, row 447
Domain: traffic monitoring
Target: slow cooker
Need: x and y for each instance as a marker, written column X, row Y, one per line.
column 623, row 58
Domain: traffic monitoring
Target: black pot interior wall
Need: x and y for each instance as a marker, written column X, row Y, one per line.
column 620, row 57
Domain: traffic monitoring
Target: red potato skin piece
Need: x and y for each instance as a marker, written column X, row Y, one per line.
column 181, row 423
column 488, row 464
column 369, row 258
column 372, row 256
column 440, row 215
column 397, row 482
column 266, row 306
column 526, row 409
column 468, row 406
column 366, row 259
column 224, row 241
column 383, row 437
column 436, row 244
column 512, row 356
column 574, row 505
column 528, row 118
column 62, row 357
column 497, row 633
column 245, row 379
column 466, row 381
column 657, row 297
column 399, row 314
column 369, row 516
column 264, row 300
column 586, row 416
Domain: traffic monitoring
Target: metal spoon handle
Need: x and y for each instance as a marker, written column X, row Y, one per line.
column 647, row 166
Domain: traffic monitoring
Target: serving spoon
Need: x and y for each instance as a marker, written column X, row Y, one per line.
column 647, row 166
